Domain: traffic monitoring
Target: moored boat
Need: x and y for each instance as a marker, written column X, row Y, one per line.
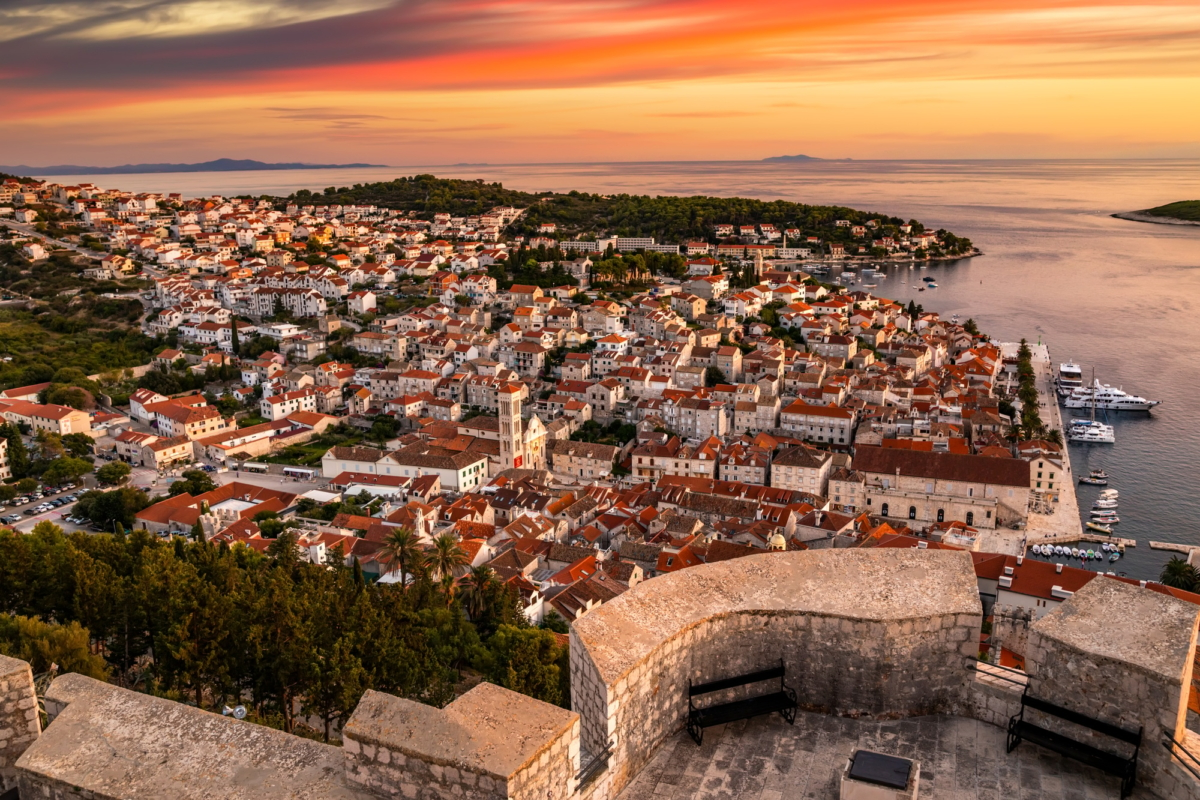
column 1095, row 526
column 1108, row 398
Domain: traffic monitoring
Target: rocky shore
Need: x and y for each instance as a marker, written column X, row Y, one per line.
column 1138, row 216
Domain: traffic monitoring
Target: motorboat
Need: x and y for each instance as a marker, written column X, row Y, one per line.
column 1096, row 526
column 1114, row 556
column 1075, row 551
column 1100, row 505
column 1099, row 473
column 1058, row 550
column 1090, row 481
column 1070, row 378
column 1092, row 432
column 931, row 285
column 1108, row 398
column 1109, row 494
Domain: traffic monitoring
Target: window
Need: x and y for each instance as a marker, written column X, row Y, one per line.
column 941, row 515
column 989, row 515
column 884, row 509
column 912, row 512
column 970, row 517
column 1039, row 484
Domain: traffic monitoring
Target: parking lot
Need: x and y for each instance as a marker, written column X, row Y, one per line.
column 43, row 505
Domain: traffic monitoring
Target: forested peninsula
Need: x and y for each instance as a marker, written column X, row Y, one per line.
column 582, row 215
column 1184, row 212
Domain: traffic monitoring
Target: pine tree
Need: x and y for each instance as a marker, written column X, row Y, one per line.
column 233, row 335
column 18, row 454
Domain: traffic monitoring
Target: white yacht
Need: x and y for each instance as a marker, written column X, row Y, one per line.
column 1090, row 431
column 1070, row 378
column 1107, row 397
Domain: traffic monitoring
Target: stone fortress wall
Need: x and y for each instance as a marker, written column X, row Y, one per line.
column 880, row 633
column 890, row 637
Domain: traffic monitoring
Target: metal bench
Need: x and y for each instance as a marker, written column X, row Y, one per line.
column 1124, row 767
column 782, row 701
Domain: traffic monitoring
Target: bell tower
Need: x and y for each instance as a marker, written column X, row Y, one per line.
column 512, row 446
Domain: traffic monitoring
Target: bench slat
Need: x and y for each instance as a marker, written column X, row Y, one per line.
column 1107, row 728
column 1086, row 754
column 741, row 709
column 740, row 680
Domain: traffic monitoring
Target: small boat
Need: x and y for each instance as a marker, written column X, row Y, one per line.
column 931, row 285
column 1091, row 554
column 1094, row 481
column 1100, row 505
column 1109, row 494
column 1058, row 551
column 1075, row 550
column 1094, row 526
column 1114, row 556
column 921, row 289
column 1105, row 547
column 1099, row 473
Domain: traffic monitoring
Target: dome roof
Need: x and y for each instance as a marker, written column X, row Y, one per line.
column 777, row 542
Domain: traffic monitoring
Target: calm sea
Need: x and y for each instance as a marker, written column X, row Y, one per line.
column 1120, row 297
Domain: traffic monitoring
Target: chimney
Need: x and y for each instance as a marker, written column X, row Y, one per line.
column 1020, row 560
column 1058, row 567
column 1142, row 584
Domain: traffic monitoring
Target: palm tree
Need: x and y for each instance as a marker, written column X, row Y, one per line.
column 447, row 557
column 448, row 586
column 1055, row 437
column 1179, row 574
column 477, row 591
column 400, row 550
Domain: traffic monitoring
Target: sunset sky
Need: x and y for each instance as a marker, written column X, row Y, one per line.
column 439, row 81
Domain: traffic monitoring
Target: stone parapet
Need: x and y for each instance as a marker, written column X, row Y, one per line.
column 1121, row 654
column 883, row 633
column 107, row 743
column 19, row 723
column 489, row 744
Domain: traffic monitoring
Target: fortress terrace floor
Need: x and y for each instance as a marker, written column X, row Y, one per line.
column 766, row 759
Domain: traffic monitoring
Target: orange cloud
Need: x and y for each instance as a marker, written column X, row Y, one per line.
column 776, row 59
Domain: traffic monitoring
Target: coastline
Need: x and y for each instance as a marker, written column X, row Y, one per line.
column 1137, row 216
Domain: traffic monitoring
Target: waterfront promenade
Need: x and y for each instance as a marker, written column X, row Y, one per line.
column 1062, row 523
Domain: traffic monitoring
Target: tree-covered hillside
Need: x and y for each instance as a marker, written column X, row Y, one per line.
column 1184, row 209
column 667, row 218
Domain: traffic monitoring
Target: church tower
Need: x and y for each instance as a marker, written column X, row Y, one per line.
column 512, row 445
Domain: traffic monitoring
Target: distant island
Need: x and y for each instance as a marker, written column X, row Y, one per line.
column 219, row 165
column 799, row 158
column 1184, row 212
column 793, row 158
